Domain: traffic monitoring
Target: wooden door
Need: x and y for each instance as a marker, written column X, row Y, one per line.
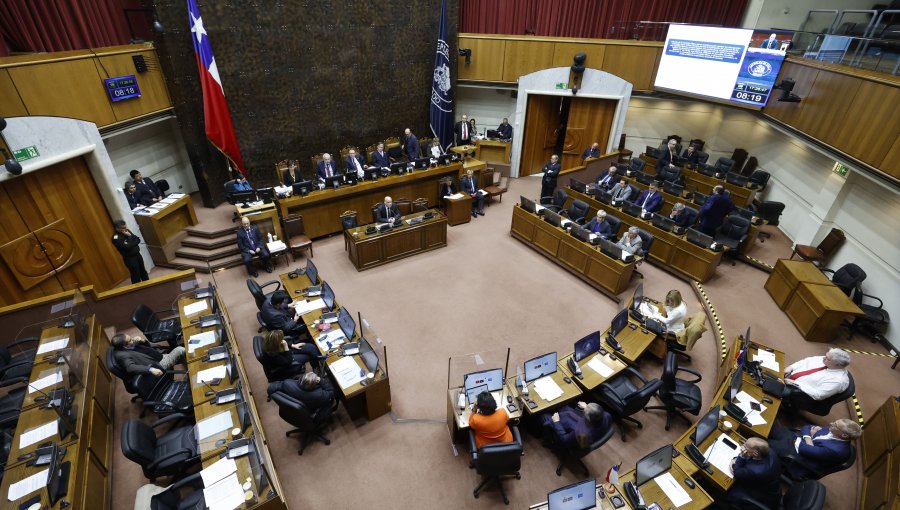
column 541, row 124
column 590, row 120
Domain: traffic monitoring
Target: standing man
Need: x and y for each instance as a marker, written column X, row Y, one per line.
column 355, row 163
column 667, row 156
column 757, row 474
column 326, row 167
column 713, row 211
column 410, row 145
column 551, row 173
column 471, row 187
column 387, row 212
column 380, row 158
column 504, row 130
column 463, row 131
column 591, row 152
column 250, row 242
column 146, row 188
column 128, row 245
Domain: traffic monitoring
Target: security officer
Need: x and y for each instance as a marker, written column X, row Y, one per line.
column 128, row 245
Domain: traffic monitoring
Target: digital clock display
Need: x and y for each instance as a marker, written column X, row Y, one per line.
column 122, row 87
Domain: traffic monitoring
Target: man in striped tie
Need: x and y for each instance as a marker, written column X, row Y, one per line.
column 818, row 376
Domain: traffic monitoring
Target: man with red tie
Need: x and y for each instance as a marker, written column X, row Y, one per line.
column 463, row 131
column 326, row 167
column 817, row 376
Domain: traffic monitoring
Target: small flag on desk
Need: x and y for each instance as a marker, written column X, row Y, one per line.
column 440, row 114
column 612, row 476
column 739, row 359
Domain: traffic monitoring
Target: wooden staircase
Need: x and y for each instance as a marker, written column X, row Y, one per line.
column 206, row 251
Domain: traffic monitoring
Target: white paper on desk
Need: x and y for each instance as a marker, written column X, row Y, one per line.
column 455, row 196
column 722, row 455
column 28, row 485
column 276, row 246
column 767, row 359
column 597, row 365
column 304, row 307
column 226, row 494
column 347, row 371
column 214, row 424
column 201, row 339
column 54, row 345
column 38, row 433
column 176, row 195
column 168, row 200
column 209, row 374
column 217, row 471
column 48, row 380
column 157, row 205
column 753, row 417
column 648, row 309
column 335, row 337
column 195, row 308
column 538, row 208
column 673, row 490
column 547, row 388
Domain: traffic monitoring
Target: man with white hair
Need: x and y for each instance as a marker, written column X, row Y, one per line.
column 326, row 167
column 819, row 377
column 817, row 449
column 631, row 241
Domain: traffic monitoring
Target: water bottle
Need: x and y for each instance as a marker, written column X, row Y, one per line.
column 270, row 237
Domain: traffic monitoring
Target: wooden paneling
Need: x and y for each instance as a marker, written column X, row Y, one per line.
column 541, row 120
column 564, row 51
column 804, row 78
column 590, row 120
column 891, row 163
column 526, row 57
column 487, row 59
column 636, row 64
column 835, row 90
column 154, row 96
column 852, row 133
column 10, row 104
column 70, row 88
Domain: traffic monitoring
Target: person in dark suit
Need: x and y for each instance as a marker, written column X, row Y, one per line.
column 551, row 173
column 250, row 242
column 468, row 185
column 326, row 167
column 137, row 356
column 757, row 474
column 462, row 131
column 591, row 152
column 823, row 448
column 146, row 188
column 387, row 212
column 314, row 392
column 135, row 200
column 678, row 215
column 621, row 192
column 380, row 157
column 691, row 156
column 650, row 200
column 410, row 145
column 609, row 179
column 598, row 225
column 288, row 357
column 291, row 174
column 239, row 184
column 447, row 187
column 354, row 163
column 504, row 130
column 128, row 245
column 772, row 43
column 574, row 428
column 713, row 211
column 276, row 313
column 667, row 156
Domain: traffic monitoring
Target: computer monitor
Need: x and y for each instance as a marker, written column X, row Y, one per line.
column 243, row 197
column 650, row 151
column 266, row 195
column 699, row 238
column 371, row 173
column 581, row 234
column 334, row 181
column 552, row 218
column 673, row 189
column 737, row 379
column 611, row 249
column 618, row 322
column 444, row 159
column 368, row 355
column 492, row 134
column 653, row 465
column 705, row 426
column 638, row 296
column 243, row 416
column 351, row 178
column 631, row 209
column 473, row 392
column 492, row 378
column 587, row 346
column 538, row 367
column 663, row 223
column 398, row 168
column 346, row 322
column 577, row 496
column 233, row 373
column 301, row 188
column 736, row 179
column 204, row 292
column 422, row 163
column 578, row 185
column 643, row 177
column 57, row 476
column 328, row 296
column 699, row 198
column 604, row 196
column 527, row 203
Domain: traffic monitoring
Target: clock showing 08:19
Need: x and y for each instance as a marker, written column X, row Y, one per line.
column 122, row 87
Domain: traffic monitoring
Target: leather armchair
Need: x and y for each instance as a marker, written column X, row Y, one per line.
column 556, row 202
column 567, row 455
column 172, row 453
column 577, row 211
column 678, row 395
column 155, row 329
column 627, row 394
column 497, row 460
column 309, row 424
column 259, row 295
column 799, row 401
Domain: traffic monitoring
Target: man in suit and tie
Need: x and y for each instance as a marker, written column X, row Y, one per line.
column 667, row 156
column 771, row 43
column 146, row 188
column 469, row 186
column 251, row 243
column 462, row 130
column 551, row 173
column 355, row 163
column 820, row 448
column 326, row 167
column 650, row 200
column 387, row 212
column 621, row 191
column 591, row 152
column 410, row 145
column 277, row 314
column 134, row 199
column 608, row 180
column 573, row 428
column 504, row 130
column 757, row 475
column 691, row 156
column 713, row 211
column 380, row 157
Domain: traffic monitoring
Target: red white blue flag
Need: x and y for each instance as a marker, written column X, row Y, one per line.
column 219, row 129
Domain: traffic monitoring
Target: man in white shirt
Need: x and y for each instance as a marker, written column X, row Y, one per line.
column 355, row 163
column 817, row 376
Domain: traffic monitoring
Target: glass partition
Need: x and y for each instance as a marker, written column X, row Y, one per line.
column 458, row 367
column 373, row 351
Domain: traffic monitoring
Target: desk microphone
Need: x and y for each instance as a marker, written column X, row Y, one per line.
column 212, row 391
column 573, row 365
column 61, row 399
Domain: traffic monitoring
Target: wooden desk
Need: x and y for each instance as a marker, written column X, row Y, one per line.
column 321, row 210
column 82, row 491
column 721, row 480
column 459, row 210
column 371, row 250
column 633, row 341
column 570, row 391
column 462, row 150
column 750, row 387
column 458, row 419
column 493, row 150
column 653, row 493
column 164, row 230
column 787, row 276
column 818, row 310
column 264, row 216
column 248, row 471
column 590, row 379
column 731, row 354
column 212, row 446
column 742, row 196
column 672, row 252
column 585, row 261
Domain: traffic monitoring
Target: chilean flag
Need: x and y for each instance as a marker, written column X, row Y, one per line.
column 219, row 129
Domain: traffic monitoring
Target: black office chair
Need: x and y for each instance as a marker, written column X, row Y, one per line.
column 702, row 157
column 691, row 214
column 10, row 407
column 622, row 397
column 577, row 211
column 15, row 369
column 807, row 495
column 6, row 442
column 637, row 164
column 309, row 425
column 614, row 225
column 155, row 329
column 163, row 186
column 274, row 374
column 173, row 453
column 798, row 401
column 259, row 295
column 556, row 202
column 797, row 468
column 669, row 174
column 733, row 234
column 567, row 455
column 113, row 367
column 229, row 191
column 185, row 494
column 760, row 178
column 874, row 323
column 847, row 277
column 163, row 395
column 497, row 460
column 646, row 241
column 770, row 212
column 678, row 395
column 635, row 192
column 643, row 177
column 724, row 165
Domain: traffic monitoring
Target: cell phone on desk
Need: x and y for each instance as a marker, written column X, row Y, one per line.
column 512, row 408
column 755, row 406
column 531, row 404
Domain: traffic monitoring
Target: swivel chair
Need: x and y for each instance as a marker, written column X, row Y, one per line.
column 15, row 369
column 185, row 494
column 163, row 395
column 556, row 202
column 155, row 329
column 496, row 460
column 627, row 394
column 847, row 277
column 172, row 453
column 797, row 468
column 577, row 211
column 770, row 212
column 733, row 234
column 113, row 366
column 807, row 495
column 678, row 395
column 798, row 401
column 874, row 323
column 309, row 424
column 569, row 455
column 259, row 295
column 761, row 179
column 273, row 373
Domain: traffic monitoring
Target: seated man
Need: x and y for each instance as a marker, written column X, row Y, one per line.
column 380, row 157
column 387, row 212
column 631, row 241
column 576, row 428
column 468, row 185
column 504, row 130
column 650, row 200
column 146, row 188
column 137, row 356
column 678, row 215
column 250, row 242
column 489, row 425
column 608, row 180
column 239, row 184
column 326, row 167
column 355, row 163
column 817, row 376
column 135, row 200
column 621, row 191
column 822, row 448
column 591, row 152
column 598, row 225
column 757, row 475
column 314, row 392
column 447, row 187
column 277, row 313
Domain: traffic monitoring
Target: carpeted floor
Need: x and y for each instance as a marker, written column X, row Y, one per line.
column 487, row 291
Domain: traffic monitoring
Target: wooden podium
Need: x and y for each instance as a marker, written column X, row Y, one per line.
column 459, row 210
column 164, row 230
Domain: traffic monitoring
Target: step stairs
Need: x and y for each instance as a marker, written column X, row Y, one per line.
column 206, row 251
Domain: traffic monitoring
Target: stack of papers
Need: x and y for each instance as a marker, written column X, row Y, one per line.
column 276, row 246
column 647, row 308
column 765, row 359
column 49, row 380
column 209, row 374
column 214, row 424
column 597, row 365
column 195, row 308
column 547, row 388
column 226, row 494
column 217, row 471
column 720, row 455
column 39, row 433
column 673, row 490
column 455, row 196
column 158, row 205
column 28, row 485
column 753, row 417
column 201, row 339
column 176, row 195
column 53, row 345
column 335, row 337
column 347, row 372
column 304, row 307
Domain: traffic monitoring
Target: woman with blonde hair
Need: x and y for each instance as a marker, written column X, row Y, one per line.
column 675, row 313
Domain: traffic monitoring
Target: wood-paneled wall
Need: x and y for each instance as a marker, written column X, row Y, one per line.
column 70, row 84
column 62, row 206
column 499, row 58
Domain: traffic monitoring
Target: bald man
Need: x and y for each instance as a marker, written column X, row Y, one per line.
column 387, row 212
column 757, row 474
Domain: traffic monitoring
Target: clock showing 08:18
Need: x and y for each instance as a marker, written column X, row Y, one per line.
column 122, row 87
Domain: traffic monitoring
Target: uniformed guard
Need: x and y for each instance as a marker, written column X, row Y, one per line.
column 128, row 245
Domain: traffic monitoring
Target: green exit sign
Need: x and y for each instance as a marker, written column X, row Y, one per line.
column 26, row 153
column 562, row 85
column 840, row 169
